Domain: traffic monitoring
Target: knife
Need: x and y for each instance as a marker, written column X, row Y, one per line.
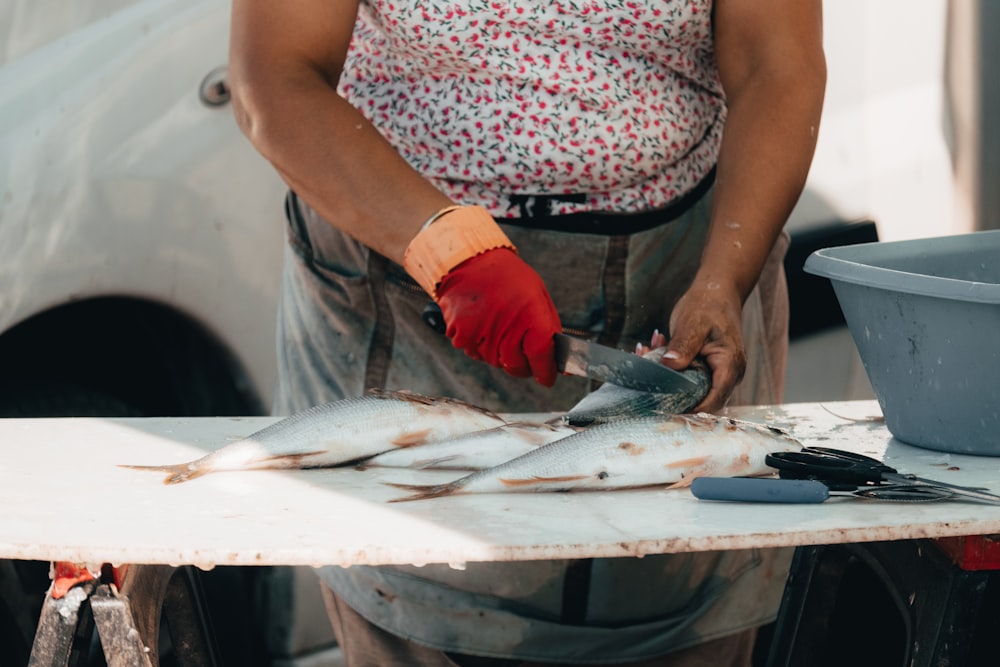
column 624, row 369
column 576, row 356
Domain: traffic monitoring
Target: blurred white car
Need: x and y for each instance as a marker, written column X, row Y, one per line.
column 140, row 249
column 140, row 233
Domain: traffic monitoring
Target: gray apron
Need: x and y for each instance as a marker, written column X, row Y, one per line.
column 350, row 320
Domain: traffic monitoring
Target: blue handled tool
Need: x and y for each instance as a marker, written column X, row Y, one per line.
column 773, row 490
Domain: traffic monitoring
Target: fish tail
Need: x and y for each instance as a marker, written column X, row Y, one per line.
column 424, row 491
column 181, row 472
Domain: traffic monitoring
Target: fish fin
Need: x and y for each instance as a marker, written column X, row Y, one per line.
column 400, row 395
column 181, row 472
column 424, row 491
column 427, row 464
column 693, row 462
column 439, row 463
column 531, row 433
column 540, row 480
column 297, row 460
column 419, row 464
column 685, row 482
column 700, row 420
column 699, row 468
column 412, row 439
column 407, row 395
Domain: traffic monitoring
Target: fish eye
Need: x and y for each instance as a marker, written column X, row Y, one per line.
column 603, row 474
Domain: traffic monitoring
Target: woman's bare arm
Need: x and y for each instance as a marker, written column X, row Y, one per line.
column 285, row 61
column 773, row 71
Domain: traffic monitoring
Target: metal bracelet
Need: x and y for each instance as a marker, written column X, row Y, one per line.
column 437, row 216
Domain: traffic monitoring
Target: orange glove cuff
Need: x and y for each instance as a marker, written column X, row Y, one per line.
column 454, row 235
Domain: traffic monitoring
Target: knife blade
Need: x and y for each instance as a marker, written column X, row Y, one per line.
column 624, row 369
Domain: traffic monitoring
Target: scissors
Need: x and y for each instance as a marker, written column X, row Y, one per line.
column 771, row 490
column 836, row 467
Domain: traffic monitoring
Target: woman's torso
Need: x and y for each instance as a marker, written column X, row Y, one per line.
column 618, row 99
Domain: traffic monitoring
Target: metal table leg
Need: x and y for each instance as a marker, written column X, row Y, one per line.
column 122, row 642
column 127, row 622
column 63, row 631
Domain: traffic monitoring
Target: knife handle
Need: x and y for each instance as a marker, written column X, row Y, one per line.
column 434, row 318
column 760, row 490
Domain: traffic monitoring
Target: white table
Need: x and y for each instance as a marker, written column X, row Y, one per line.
column 63, row 497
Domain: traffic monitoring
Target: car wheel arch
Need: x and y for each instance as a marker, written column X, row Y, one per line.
column 149, row 357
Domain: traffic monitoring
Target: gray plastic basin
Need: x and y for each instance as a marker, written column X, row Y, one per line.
column 925, row 317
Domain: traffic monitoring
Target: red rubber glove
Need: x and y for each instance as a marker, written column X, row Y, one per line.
column 498, row 310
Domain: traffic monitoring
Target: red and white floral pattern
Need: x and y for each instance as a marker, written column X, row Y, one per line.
column 618, row 99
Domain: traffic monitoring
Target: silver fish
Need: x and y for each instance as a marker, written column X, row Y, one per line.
column 666, row 451
column 473, row 451
column 340, row 432
column 610, row 402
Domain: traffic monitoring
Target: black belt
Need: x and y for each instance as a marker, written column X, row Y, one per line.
column 536, row 213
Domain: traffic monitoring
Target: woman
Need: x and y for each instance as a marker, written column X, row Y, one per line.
column 606, row 167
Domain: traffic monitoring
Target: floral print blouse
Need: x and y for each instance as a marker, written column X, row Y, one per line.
column 617, row 100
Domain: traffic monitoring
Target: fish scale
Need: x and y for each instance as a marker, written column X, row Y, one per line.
column 340, row 432
column 628, row 453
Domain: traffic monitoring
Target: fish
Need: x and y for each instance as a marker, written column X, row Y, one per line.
column 610, row 402
column 340, row 432
column 473, row 451
column 653, row 451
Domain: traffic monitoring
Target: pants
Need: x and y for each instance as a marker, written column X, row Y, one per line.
column 363, row 644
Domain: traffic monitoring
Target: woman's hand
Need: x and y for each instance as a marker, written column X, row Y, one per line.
column 497, row 309
column 773, row 70
column 707, row 322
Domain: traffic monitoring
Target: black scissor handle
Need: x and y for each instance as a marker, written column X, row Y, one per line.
column 850, row 456
column 824, row 466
